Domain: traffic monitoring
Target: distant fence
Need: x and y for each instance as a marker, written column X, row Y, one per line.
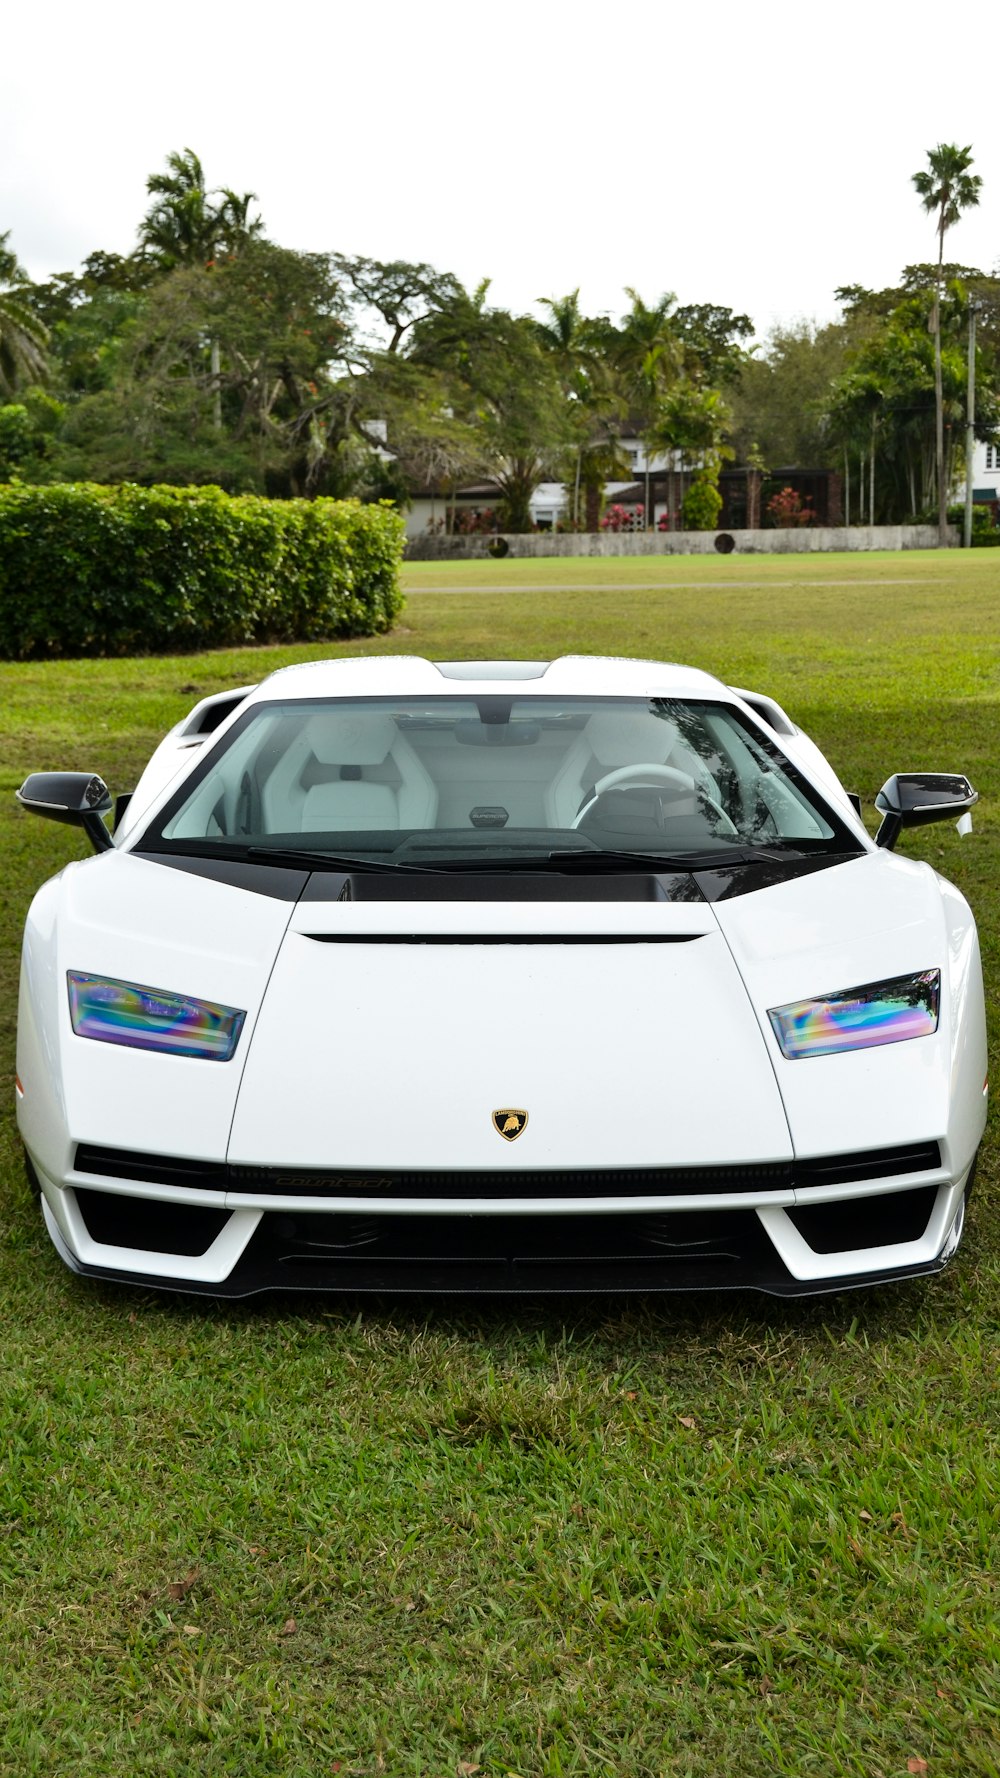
column 678, row 543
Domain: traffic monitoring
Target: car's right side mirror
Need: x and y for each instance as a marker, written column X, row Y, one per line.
column 911, row 799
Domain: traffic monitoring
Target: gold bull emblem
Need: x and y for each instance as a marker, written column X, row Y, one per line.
column 509, row 1124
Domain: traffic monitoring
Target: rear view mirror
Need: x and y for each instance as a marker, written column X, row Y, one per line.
column 78, row 798
column 912, row 799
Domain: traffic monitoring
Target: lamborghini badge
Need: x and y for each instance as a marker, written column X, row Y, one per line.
column 509, row 1124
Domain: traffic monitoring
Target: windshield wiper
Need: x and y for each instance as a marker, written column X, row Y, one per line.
column 303, row 857
column 717, row 857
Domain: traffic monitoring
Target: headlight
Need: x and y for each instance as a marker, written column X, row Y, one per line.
column 146, row 1019
column 859, row 1018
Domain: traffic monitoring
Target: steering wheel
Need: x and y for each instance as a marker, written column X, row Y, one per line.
column 650, row 774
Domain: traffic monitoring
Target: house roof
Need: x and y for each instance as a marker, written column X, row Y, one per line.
column 477, row 491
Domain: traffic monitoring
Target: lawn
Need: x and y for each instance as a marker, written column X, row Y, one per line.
column 680, row 1536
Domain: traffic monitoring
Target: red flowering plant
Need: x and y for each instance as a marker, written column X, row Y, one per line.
column 788, row 509
column 475, row 521
column 622, row 518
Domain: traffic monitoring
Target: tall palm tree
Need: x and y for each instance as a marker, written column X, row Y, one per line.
column 184, row 227
column 23, row 337
column 579, row 345
column 946, row 188
column 648, row 355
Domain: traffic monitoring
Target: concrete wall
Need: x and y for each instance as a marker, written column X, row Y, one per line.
column 681, row 543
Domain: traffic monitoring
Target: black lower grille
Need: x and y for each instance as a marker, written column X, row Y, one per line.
column 149, row 1225
column 681, row 1239
column 853, row 1223
column 376, row 1184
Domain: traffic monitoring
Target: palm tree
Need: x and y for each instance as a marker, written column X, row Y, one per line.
column 236, row 226
column 578, row 345
column 23, row 338
column 184, row 227
column 180, row 228
column 946, row 188
column 648, row 355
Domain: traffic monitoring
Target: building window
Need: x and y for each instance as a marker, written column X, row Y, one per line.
column 993, row 456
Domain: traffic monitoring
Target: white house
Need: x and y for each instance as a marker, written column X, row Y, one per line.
column 985, row 473
column 550, row 502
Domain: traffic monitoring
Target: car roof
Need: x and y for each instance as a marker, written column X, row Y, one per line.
column 410, row 675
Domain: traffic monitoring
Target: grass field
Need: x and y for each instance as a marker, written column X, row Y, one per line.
column 681, row 1536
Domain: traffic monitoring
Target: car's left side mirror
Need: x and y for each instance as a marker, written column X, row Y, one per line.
column 79, row 798
column 911, row 799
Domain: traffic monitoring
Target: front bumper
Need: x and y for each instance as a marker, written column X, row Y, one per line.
column 789, row 1231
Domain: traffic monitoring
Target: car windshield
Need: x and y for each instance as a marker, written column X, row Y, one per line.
column 493, row 781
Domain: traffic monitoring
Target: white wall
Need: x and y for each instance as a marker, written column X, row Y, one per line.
column 985, row 469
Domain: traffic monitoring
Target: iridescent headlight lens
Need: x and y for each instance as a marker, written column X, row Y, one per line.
column 145, row 1019
column 859, row 1018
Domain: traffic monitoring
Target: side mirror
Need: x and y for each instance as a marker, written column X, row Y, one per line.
column 912, row 799
column 78, row 798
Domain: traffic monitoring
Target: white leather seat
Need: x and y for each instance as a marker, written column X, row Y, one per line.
column 349, row 770
column 337, row 807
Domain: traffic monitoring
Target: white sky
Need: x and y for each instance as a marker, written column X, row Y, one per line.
column 751, row 156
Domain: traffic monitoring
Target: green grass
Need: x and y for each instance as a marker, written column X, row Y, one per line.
column 688, row 1536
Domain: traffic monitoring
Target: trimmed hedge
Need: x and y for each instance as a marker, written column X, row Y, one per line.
column 86, row 569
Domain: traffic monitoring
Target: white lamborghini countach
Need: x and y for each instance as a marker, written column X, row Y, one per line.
column 519, row 976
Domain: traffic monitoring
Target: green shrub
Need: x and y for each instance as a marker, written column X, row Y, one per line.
column 86, row 569
column 982, row 517
column 702, row 504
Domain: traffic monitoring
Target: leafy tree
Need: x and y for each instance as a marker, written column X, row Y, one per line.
column 881, row 409
column 520, row 415
column 185, row 228
column 435, row 449
column 23, row 336
column 945, row 188
column 399, row 292
column 779, row 401
column 276, row 318
column 691, row 421
column 502, row 382
column 27, row 431
column 711, row 336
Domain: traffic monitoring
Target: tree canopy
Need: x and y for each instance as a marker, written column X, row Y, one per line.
column 211, row 353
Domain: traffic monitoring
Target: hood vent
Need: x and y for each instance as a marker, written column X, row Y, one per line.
column 503, row 938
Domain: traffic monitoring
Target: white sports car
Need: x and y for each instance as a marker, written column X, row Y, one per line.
column 498, row 977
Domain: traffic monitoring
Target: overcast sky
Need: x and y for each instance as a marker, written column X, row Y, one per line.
column 751, row 156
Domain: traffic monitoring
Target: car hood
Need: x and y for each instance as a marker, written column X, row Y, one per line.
column 392, row 1032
